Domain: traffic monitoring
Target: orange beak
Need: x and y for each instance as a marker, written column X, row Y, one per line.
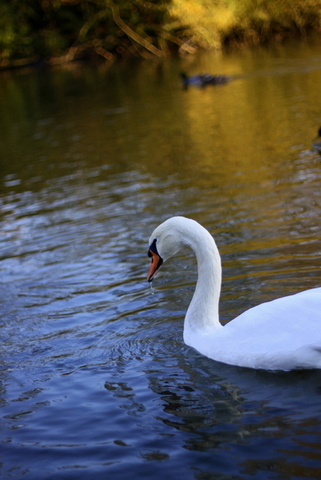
column 155, row 265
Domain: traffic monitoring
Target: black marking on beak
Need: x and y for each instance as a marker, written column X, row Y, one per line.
column 156, row 261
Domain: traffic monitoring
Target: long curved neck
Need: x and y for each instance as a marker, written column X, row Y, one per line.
column 203, row 311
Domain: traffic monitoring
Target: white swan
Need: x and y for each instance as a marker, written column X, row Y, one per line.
column 283, row 334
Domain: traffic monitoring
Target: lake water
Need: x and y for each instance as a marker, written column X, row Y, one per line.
column 96, row 382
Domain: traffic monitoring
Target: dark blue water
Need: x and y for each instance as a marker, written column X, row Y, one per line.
column 96, row 381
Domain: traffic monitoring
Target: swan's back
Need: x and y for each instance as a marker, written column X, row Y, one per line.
column 283, row 334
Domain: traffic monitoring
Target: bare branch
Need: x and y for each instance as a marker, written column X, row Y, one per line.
column 132, row 34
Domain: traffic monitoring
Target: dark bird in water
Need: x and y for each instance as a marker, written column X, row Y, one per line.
column 317, row 144
column 203, row 80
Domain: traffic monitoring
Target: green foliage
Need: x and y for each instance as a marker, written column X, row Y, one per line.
column 71, row 28
column 68, row 29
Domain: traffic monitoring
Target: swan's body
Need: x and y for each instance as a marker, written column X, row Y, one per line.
column 283, row 334
column 317, row 143
column 203, row 80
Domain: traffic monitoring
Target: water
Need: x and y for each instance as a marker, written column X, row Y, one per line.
column 96, row 381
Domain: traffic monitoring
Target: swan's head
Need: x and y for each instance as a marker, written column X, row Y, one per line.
column 166, row 240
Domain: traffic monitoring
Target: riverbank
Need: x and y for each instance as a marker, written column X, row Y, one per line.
column 63, row 31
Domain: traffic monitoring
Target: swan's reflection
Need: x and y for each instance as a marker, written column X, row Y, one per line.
column 253, row 417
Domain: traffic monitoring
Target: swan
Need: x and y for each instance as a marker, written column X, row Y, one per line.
column 317, row 145
column 283, row 334
column 203, row 80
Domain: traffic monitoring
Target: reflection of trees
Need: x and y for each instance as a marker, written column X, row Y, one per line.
column 209, row 413
column 242, row 416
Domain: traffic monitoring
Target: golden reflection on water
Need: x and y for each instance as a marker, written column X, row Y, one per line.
column 240, row 151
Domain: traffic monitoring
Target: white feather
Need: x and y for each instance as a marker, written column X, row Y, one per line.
column 283, row 334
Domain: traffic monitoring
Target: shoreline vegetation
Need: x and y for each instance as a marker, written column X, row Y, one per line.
column 51, row 32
